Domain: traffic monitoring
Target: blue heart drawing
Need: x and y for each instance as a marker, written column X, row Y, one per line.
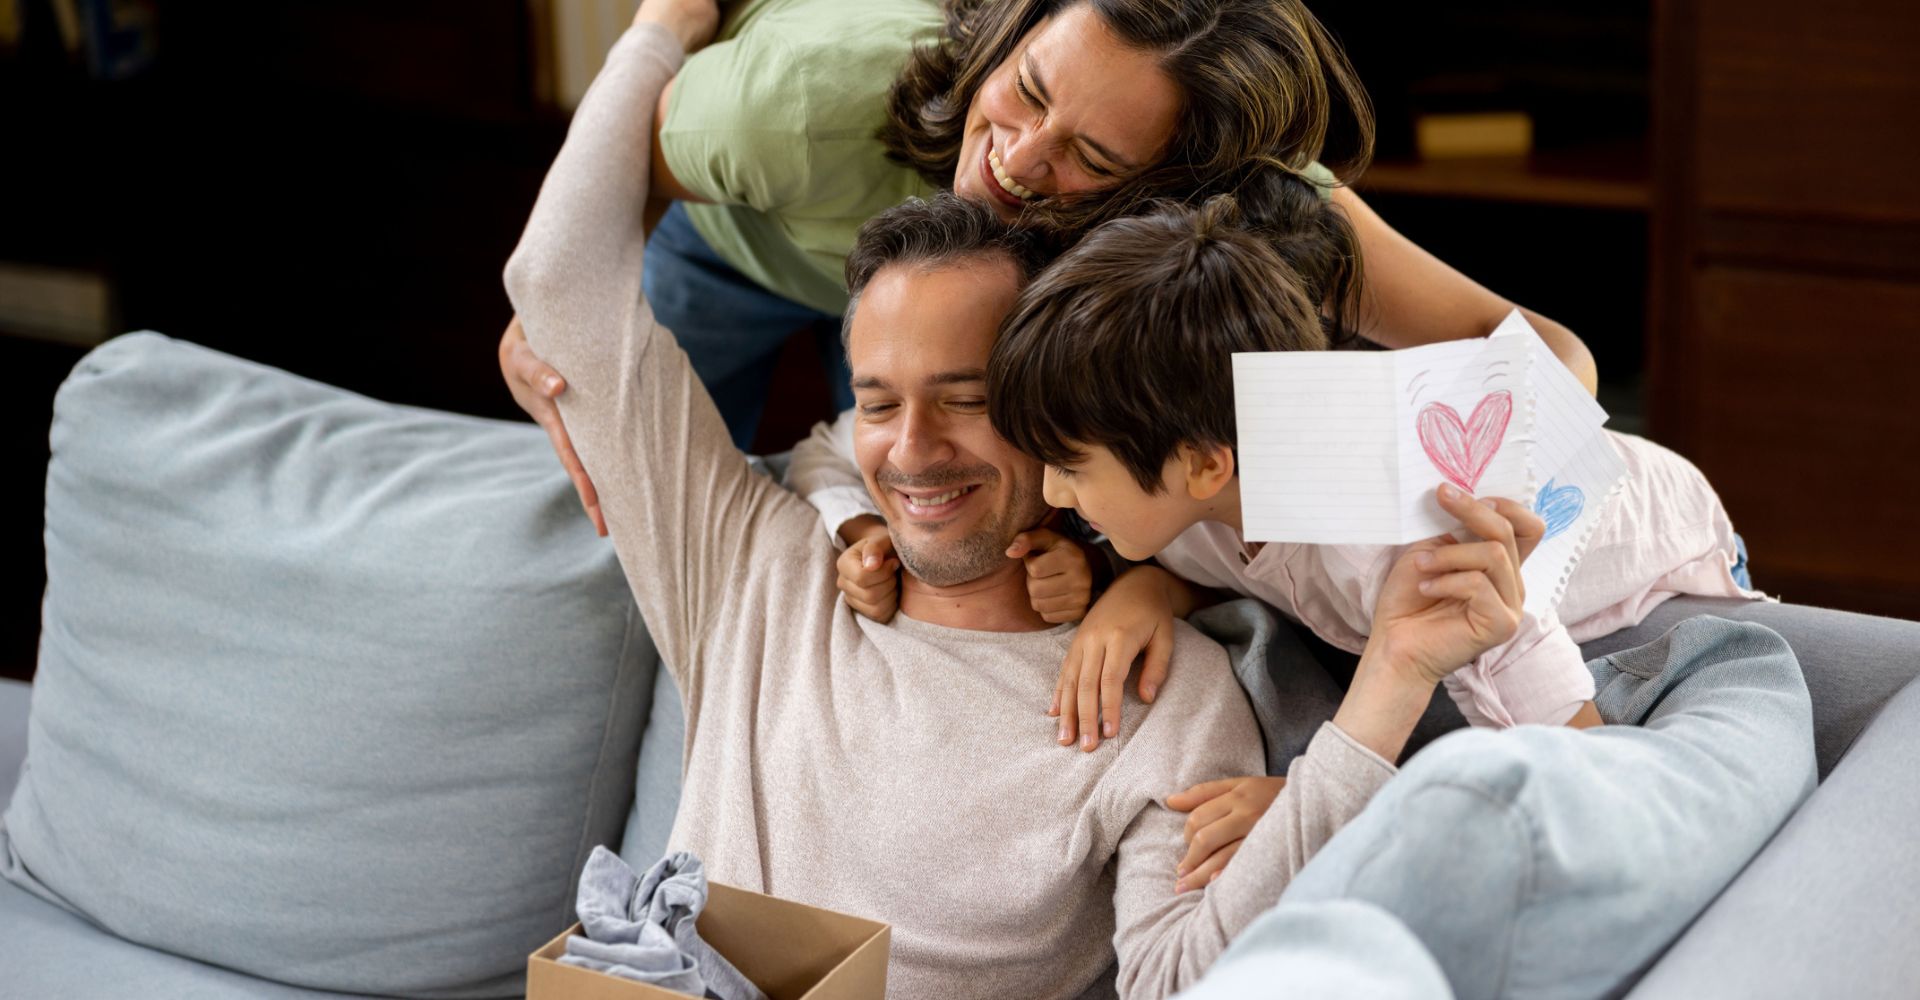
column 1560, row 507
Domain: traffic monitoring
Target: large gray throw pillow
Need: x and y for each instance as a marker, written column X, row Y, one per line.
column 332, row 692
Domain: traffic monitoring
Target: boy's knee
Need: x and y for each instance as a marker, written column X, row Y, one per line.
column 1456, row 864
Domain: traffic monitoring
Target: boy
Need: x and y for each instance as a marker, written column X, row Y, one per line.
column 1116, row 370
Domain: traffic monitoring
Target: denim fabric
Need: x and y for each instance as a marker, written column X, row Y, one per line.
column 731, row 328
column 1546, row 862
column 1741, row 575
column 1341, row 949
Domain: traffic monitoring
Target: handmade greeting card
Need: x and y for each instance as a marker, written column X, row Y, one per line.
column 1348, row 447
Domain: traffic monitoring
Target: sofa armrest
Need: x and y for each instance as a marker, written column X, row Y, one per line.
column 1831, row 906
column 14, row 696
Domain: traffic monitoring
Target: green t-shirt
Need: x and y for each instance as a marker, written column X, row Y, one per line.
column 775, row 122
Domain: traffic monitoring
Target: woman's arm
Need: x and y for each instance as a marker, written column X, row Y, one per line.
column 1414, row 298
column 663, row 186
column 823, row 471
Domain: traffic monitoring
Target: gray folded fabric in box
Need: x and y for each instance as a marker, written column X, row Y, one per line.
column 642, row 927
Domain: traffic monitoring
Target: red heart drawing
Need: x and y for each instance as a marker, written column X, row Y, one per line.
column 1461, row 451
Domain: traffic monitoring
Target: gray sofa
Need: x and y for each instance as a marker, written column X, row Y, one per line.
column 335, row 696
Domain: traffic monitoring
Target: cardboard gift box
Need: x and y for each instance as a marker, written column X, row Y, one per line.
column 790, row 950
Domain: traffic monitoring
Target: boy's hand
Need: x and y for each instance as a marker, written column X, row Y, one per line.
column 869, row 570
column 1222, row 814
column 1447, row 601
column 1135, row 614
column 1059, row 575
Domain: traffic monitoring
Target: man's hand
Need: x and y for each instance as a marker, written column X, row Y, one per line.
column 1134, row 615
column 1223, row 813
column 1446, row 601
column 1059, row 575
column 694, row 22
column 869, row 570
column 1443, row 604
column 535, row 385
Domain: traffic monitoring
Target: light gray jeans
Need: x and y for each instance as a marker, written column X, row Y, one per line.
column 1543, row 862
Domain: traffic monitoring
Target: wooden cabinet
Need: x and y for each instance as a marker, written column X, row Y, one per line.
column 1784, row 340
column 1771, row 149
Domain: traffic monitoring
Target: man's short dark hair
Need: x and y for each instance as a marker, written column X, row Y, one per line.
column 1127, row 341
column 934, row 232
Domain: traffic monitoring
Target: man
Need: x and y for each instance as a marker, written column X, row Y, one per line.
column 900, row 771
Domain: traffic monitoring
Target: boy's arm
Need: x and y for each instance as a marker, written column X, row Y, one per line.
column 680, row 502
column 1185, row 596
column 824, row 473
column 1133, row 617
column 1537, row 677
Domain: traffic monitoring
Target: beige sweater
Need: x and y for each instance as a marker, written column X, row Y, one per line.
column 901, row 772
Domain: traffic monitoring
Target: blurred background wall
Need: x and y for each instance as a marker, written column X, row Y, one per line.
column 1718, row 196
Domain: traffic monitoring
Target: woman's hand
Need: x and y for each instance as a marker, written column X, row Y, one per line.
column 694, row 22
column 535, row 385
column 1223, row 813
column 869, row 570
column 1446, row 601
column 1135, row 614
column 1059, row 574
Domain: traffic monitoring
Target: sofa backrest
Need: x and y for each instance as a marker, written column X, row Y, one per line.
column 332, row 692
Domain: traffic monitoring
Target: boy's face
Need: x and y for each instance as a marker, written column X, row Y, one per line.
column 1138, row 524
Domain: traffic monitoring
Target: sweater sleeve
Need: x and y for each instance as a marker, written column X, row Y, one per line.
column 1166, row 942
column 1200, row 729
column 686, row 514
column 823, row 471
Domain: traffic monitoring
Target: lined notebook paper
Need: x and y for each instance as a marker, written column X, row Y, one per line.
column 1348, row 448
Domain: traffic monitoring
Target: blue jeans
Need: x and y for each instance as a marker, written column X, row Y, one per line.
column 1545, row 862
column 731, row 328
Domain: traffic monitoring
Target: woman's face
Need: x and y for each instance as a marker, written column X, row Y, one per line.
column 1070, row 109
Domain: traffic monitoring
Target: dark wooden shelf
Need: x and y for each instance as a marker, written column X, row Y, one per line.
column 1612, row 176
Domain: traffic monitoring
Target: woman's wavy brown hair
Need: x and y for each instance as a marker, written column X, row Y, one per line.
column 1264, row 84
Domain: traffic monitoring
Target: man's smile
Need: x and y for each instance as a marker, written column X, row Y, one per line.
column 935, row 506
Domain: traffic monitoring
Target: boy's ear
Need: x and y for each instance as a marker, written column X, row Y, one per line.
column 1208, row 468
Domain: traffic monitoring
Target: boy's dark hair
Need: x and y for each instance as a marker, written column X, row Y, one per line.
column 1127, row 341
column 944, row 229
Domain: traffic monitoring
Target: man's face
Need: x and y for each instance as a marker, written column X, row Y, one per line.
column 953, row 493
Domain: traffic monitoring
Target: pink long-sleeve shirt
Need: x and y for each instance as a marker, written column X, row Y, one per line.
column 1665, row 534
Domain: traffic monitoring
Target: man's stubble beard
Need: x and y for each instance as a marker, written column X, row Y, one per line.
column 942, row 562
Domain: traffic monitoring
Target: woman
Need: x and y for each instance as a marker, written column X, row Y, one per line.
column 1066, row 111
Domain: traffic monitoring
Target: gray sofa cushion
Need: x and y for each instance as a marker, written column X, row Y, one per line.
column 14, row 700
column 1830, row 908
column 48, row 952
column 656, row 787
column 331, row 692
